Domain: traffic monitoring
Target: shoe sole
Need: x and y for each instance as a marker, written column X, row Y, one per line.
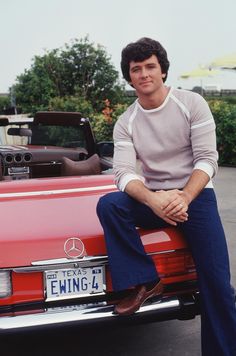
column 135, row 310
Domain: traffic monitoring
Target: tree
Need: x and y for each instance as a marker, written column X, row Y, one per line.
column 4, row 104
column 36, row 86
column 73, row 104
column 80, row 70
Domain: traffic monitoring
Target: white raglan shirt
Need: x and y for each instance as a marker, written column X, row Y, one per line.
column 169, row 142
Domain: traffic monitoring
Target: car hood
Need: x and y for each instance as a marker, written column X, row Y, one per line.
column 38, row 216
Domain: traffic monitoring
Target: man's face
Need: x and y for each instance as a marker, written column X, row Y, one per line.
column 146, row 76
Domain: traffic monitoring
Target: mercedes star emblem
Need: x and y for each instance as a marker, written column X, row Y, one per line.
column 74, row 247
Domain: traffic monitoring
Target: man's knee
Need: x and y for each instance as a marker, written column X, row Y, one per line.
column 112, row 201
column 105, row 203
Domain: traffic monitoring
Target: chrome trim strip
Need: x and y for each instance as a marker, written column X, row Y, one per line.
column 86, row 261
column 67, row 260
column 103, row 311
column 57, row 191
column 160, row 252
column 40, row 266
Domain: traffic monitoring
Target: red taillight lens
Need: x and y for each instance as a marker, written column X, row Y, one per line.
column 174, row 263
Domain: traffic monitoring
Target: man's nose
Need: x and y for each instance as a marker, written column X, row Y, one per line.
column 144, row 73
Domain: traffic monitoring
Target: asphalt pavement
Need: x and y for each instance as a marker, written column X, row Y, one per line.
column 225, row 187
column 170, row 338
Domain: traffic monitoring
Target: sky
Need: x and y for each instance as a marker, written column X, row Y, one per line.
column 194, row 32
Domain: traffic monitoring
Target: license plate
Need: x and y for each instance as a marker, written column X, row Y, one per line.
column 74, row 282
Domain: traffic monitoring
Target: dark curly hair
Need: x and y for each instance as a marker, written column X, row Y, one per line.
column 140, row 50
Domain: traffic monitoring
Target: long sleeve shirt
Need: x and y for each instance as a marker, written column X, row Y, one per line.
column 169, row 142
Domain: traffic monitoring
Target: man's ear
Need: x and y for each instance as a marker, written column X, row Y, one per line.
column 163, row 75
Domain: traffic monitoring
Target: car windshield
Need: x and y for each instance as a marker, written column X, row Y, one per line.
column 45, row 135
column 53, row 135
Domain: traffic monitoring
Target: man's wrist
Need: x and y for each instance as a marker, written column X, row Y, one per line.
column 188, row 196
column 148, row 197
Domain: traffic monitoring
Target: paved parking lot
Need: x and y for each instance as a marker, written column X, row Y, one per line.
column 225, row 187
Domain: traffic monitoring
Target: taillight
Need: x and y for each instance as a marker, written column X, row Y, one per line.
column 5, row 284
column 174, row 263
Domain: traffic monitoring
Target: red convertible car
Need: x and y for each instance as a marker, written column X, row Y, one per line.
column 53, row 262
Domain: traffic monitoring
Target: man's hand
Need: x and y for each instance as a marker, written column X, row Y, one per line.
column 174, row 205
column 158, row 201
column 180, row 199
column 178, row 203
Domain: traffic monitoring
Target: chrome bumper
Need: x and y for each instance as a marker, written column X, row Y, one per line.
column 166, row 309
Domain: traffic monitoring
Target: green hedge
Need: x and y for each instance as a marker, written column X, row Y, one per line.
column 225, row 117
column 103, row 123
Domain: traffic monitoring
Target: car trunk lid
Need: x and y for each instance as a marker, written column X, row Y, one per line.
column 40, row 215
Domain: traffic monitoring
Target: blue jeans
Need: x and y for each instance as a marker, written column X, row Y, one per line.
column 120, row 214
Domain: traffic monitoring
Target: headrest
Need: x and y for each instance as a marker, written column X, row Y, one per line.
column 81, row 168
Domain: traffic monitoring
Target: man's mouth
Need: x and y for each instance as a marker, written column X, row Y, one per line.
column 145, row 83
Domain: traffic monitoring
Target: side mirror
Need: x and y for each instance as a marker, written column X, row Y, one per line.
column 16, row 131
column 105, row 148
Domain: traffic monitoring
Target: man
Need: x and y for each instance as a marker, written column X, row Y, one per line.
column 172, row 133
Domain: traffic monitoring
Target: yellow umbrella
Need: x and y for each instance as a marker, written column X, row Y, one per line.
column 225, row 62
column 199, row 72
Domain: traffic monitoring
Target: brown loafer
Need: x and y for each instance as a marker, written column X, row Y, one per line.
column 130, row 304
